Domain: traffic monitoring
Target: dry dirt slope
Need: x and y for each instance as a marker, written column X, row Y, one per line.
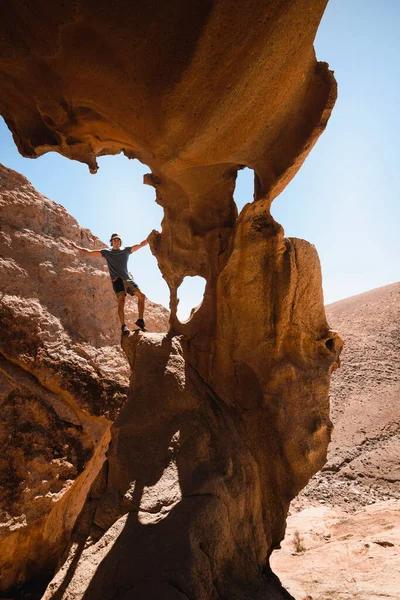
column 363, row 461
column 343, row 537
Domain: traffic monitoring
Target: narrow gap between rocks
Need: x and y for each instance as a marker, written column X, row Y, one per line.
column 244, row 183
column 190, row 296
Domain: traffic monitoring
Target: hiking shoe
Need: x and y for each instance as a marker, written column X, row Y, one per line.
column 125, row 330
column 141, row 324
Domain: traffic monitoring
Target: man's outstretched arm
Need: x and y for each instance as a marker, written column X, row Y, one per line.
column 138, row 246
column 84, row 250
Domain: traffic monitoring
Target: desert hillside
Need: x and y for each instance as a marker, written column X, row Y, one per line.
column 363, row 458
column 343, row 536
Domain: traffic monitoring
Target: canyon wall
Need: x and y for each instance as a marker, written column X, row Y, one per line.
column 63, row 376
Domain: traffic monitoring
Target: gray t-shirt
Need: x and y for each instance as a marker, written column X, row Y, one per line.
column 117, row 262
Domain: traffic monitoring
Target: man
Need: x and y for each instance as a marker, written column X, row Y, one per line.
column 122, row 282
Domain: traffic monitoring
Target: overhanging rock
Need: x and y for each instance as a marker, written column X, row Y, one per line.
column 196, row 91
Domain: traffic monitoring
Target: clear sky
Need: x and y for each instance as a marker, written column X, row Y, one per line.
column 345, row 198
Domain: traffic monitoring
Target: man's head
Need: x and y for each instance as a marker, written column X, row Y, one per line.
column 115, row 241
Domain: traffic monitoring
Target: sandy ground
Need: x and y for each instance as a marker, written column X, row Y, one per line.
column 329, row 554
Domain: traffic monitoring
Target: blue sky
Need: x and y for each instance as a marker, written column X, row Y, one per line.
column 345, row 198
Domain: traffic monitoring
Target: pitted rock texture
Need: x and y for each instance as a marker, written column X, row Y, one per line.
column 173, row 516
column 198, row 478
column 63, row 376
column 196, row 91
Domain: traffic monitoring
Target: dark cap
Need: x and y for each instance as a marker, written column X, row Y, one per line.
column 115, row 236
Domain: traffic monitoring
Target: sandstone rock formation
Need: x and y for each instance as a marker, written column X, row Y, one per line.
column 63, row 377
column 197, row 483
column 228, row 414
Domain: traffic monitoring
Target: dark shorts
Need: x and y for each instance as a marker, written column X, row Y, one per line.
column 124, row 287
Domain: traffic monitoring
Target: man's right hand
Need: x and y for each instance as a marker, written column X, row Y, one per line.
column 72, row 244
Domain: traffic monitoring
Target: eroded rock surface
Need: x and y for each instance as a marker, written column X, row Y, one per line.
column 198, row 478
column 63, row 377
column 196, row 91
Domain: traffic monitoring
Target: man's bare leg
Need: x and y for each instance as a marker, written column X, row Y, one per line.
column 141, row 301
column 121, row 308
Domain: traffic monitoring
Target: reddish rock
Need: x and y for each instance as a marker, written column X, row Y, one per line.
column 63, row 377
column 199, row 477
